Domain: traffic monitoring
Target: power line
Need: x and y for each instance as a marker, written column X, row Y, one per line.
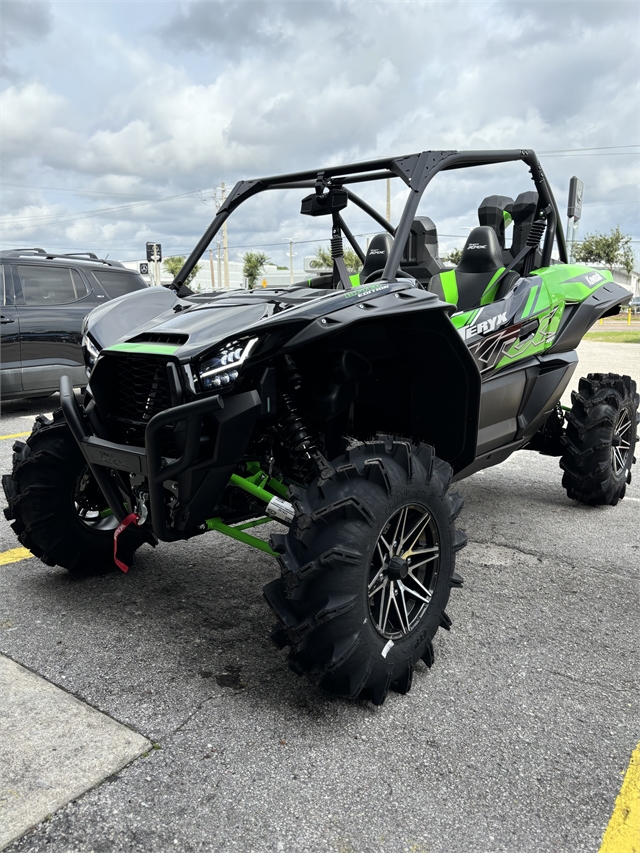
column 614, row 149
column 87, row 214
column 599, row 148
column 66, row 190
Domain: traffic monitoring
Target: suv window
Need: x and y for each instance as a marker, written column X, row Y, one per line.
column 118, row 283
column 51, row 285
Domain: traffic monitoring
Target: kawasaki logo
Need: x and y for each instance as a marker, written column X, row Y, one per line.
column 594, row 278
column 483, row 328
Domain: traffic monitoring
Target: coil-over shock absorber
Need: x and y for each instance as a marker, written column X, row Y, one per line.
column 296, row 443
column 533, row 241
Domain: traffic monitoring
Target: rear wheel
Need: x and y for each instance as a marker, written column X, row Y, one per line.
column 367, row 568
column 600, row 439
column 58, row 511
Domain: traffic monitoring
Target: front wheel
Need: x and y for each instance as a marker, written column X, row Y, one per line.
column 600, row 439
column 367, row 568
column 58, row 511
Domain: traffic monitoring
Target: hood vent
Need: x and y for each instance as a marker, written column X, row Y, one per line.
column 159, row 338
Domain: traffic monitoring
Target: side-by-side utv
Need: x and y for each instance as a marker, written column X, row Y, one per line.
column 342, row 407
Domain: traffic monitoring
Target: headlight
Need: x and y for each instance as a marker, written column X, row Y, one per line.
column 223, row 369
column 91, row 353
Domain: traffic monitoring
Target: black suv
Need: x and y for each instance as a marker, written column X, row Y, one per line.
column 45, row 298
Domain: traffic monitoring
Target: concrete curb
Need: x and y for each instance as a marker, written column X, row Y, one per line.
column 52, row 749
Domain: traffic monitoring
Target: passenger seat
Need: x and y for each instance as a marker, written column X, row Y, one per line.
column 474, row 281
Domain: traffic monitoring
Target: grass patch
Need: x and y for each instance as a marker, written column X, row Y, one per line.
column 630, row 337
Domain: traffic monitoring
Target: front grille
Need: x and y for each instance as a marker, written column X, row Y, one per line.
column 138, row 388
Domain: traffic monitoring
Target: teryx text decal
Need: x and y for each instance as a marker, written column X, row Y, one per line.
column 484, row 327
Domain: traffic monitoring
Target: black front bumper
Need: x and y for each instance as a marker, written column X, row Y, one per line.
column 235, row 417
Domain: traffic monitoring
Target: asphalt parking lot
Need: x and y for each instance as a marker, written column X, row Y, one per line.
column 516, row 740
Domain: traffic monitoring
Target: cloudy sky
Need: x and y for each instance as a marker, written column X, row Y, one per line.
column 120, row 119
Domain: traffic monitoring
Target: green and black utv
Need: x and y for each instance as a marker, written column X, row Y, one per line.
column 342, row 407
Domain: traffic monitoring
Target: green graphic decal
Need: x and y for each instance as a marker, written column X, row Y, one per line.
column 536, row 343
column 449, row 286
column 572, row 282
column 465, row 318
column 490, row 291
column 148, row 349
column 542, row 301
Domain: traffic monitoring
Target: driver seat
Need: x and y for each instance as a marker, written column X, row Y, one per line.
column 474, row 281
column 377, row 254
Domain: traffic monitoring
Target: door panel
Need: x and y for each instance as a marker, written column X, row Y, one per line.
column 499, row 405
column 11, row 373
column 55, row 300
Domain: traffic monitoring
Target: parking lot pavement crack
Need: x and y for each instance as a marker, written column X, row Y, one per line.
column 603, row 570
column 181, row 726
column 610, row 687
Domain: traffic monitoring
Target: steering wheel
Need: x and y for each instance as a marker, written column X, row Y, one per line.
column 376, row 274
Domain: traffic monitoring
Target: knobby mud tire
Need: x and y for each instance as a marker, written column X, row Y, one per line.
column 40, row 492
column 604, row 405
column 321, row 598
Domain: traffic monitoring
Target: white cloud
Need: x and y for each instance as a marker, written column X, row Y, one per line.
column 22, row 21
column 237, row 89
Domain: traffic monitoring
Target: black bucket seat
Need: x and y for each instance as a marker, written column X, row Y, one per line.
column 377, row 254
column 474, row 281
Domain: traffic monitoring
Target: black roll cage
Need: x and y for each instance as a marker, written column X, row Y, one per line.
column 416, row 170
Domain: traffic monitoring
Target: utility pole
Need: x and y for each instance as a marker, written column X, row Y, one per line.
column 291, row 261
column 213, row 278
column 388, row 199
column 225, row 244
column 574, row 212
column 219, row 245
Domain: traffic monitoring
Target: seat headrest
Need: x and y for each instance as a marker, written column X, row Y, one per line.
column 482, row 251
column 524, row 214
column 377, row 254
column 495, row 211
column 422, row 242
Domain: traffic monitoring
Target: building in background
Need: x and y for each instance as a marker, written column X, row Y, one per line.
column 271, row 277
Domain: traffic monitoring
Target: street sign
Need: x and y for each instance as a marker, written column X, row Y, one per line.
column 574, row 206
column 144, row 269
column 154, row 252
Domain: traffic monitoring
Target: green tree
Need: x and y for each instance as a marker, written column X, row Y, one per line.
column 611, row 250
column 252, row 265
column 174, row 265
column 453, row 257
column 323, row 260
